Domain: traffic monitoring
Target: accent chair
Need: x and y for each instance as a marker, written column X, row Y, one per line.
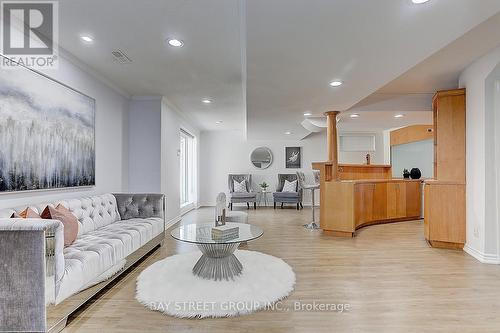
column 287, row 197
column 241, row 197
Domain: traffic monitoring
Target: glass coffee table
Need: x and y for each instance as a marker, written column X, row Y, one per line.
column 218, row 260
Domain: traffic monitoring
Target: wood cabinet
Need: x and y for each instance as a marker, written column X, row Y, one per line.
column 449, row 135
column 385, row 201
column 360, row 203
column 372, row 171
column 444, row 215
column 411, row 133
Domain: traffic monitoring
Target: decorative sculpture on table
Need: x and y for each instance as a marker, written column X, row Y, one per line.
column 220, row 210
column 406, row 174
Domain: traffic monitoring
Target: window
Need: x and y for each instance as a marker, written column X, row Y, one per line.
column 357, row 142
column 187, row 167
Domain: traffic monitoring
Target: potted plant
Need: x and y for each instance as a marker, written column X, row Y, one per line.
column 406, row 174
column 264, row 186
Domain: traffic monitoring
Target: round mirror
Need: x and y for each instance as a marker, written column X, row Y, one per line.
column 261, row 157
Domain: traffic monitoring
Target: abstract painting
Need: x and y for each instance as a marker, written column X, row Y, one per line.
column 292, row 157
column 46, row 133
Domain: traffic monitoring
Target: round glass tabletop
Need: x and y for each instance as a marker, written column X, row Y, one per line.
column 202, row 233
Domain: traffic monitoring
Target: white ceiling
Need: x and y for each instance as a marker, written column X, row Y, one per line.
column 208, row 66
column 264, row 63
column 371, row 121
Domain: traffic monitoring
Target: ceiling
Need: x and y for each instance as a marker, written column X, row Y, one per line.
column 208, row 66
column 264, row 63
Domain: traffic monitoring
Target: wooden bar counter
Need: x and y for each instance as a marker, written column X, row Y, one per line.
column 347, row 205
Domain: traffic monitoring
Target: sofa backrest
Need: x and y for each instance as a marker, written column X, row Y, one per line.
column 92, row 212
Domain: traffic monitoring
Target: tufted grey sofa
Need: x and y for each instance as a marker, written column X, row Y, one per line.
column 44, row 282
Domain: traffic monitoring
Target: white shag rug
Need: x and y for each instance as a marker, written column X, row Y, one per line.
column 169, row 286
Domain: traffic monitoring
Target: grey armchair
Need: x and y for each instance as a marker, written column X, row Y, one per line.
column 241, row 197
column 287, row 197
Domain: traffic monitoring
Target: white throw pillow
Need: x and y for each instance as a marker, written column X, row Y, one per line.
column 240, row 187
column 290, row 186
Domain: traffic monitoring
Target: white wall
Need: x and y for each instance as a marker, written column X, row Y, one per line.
column 482, row 217
column 172, row 122
column 154, row 145
column 145, row 144
column 110, row 136
column 225, row 152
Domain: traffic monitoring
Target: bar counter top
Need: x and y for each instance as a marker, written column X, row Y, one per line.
column 392, row 180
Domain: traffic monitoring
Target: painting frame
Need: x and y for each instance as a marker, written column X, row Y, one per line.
column 91, row 181
column 293, row 157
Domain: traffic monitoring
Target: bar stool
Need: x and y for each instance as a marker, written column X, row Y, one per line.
column 311, row 187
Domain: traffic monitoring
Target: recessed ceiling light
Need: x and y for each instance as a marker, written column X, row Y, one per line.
column 206, row 101
column 399, row 115
column 336, row 83
column 175, row 42
column 354, row 115
column 307, row 114
column 418, row 2
column 87, row 38
column 218, row 122
column 288, row 132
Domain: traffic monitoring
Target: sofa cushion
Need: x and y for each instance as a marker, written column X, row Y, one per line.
column 290, row 186
column 139, row 205
column 96, row 251
column 243, row 195
column 69, row 221
column 240, row 187
column 28, row 213
column 93, row 212
column 286, row 194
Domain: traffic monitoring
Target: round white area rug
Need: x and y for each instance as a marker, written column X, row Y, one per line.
column 169, row 286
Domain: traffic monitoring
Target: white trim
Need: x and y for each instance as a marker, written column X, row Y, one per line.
column 481, row 256
column 176, row 219
column 173, row 221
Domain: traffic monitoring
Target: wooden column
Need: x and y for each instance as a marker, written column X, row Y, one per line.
column 331, row 119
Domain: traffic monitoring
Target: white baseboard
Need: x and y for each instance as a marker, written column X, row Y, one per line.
column 481, row 256
column 173, row 221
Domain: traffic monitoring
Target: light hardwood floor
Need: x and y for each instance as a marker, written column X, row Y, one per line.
column 393, row 281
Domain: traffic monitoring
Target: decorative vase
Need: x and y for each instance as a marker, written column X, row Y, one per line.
column 415, row 173
column 406, row 174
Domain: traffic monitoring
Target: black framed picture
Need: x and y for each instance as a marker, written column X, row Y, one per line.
column 293, row 157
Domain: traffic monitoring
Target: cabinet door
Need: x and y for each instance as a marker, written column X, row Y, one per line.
column 363, row 198
column 396, row 200
column 380, row 202
column 450, row 139
column 427, row 207
column 413, row 199
column 445, row 213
